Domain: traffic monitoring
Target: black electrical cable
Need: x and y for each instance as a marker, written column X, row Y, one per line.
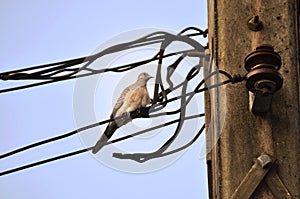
column 89, row 148
column 44, row 161
column 200, row 32
column 50, row 74
column 94, row 72
column 142, row 157
column 133, row 115
column 159, row 153
column 130, row 156
column 53, row 139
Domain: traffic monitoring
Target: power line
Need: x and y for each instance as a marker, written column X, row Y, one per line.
column 137, row 157
column 143, row 113
column 89, row 148
column 50, row 73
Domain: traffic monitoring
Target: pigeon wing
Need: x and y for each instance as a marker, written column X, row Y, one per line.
column 121, row 100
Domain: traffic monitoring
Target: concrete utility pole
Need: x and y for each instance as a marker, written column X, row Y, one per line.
column 255, row 155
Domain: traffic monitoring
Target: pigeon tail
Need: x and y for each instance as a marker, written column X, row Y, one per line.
column 109, row 131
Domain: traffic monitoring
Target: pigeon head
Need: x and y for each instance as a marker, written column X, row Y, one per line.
column 144, row 77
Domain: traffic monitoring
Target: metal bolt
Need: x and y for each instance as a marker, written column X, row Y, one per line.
column 265, row 86
column 255, row 24
column 264, row 161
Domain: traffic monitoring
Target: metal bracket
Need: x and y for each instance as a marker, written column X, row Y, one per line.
column 263, row 96
column 264, row 169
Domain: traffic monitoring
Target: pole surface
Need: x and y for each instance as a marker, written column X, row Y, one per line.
column 243, row 136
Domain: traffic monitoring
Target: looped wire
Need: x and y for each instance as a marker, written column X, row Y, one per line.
column 237, row 78
column 160, row 100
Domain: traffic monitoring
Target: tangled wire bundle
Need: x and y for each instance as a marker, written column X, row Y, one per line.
column 81, row 67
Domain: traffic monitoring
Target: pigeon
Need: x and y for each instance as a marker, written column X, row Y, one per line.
column 131, row 99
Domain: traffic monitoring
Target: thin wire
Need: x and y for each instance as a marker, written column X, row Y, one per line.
column 184, row 102
column 52, row 74
column 19, row 150
column 141, row 157
column 89, row 148
column 94, row 72
column 64, row 64
column 147, row 156
column 200, row 32
column 44, row 161
column 114, row 141
column 143, row 113
column 76, row 61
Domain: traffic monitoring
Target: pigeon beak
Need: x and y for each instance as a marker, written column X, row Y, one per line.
column 150, row 77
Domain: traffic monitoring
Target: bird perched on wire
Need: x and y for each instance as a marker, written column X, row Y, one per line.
column 131, row 99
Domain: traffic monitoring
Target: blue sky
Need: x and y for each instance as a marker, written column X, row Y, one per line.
column 35, row 32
